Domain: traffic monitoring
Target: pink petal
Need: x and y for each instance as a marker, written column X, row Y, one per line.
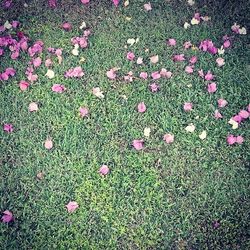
column 72, row 206
column 222, row 103
column 8, row 128
column 58, row 88
column 171, row 42
column 217, row 114
column 209, row 76
column 141, row 107
column 239, row 139
column 24, row 85
column 156, row 75
column 168, row 138
column 111, row 74
column 212, row 87
column 220, row 62
column 67, row 26
column 130, row 56
column 116, row 2
column 193, row 59
column 189, row 69
column 165, row 73
column 154, row 87
column 154, row 59
column 37, row 62
column 138, row 144
column 144, row 75
column 48, row 144
column 83, row 111
column 244, row 114
column 231, row 139
column 227, row 44
column 147, row 6
column 7, row 216
column 188, row 106
column 33, row 107
column 237, row 118
column 104, row 170
column 178, row 58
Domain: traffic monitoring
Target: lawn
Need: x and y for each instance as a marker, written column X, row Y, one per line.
column 156, row 162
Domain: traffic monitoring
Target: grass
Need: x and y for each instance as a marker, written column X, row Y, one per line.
column 164, row 197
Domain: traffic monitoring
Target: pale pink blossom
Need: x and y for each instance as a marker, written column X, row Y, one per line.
column 211, row 87
column 231, row 139
column 147, row 6
column 111, row 74
column 222, row 103
column 220, row 62
column 23, row 85
column 138, row 144
column 168, row 138
column 130, row 56
column 193, row 59
column 33, row 107
column 189, row 69
column 104, row 170
column 171, row 42
column 156, row 75
column 244, row 114
column 7, row 216
column 217, row 114
column 67, row 26
column 7, row 127
column 239, row 139
column 48, row 144
column 154, row 87
column 58, row 88
column 165, row 73
column 178, row 58
column 141, row 107
column 83, row 111
column 72, row 206
column 188, row 106
column 144, row 75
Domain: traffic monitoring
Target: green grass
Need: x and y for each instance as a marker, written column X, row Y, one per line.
column 164, row 197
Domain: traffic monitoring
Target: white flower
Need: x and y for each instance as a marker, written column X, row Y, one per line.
column 83, row 25
column 186, row 25
column 195, row 21
column 203, row 135
column 234, row 124
column 242, row 31
column 97, row 92
column 147, row 132
column 50, row 74
column 190, row 128
column 191, row 2
column 7, row 25
column 131, row 41
column 126, row 3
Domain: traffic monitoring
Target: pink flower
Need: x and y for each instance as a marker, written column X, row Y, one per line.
column 58, row 88
column 8, row 127
column 130, row 56
column 72, row 206
column 211, row 87
column 171, row 42
column 4, row 76
column 209, row 76
column 138, row 144
column 201, row 73
column 237, row 118
column 52, row 3
column 33, row 107
column 7, row 216
column 23, row 85
column 37, row 62
column 141, row 107
column 67, row 26
column 48, row 144
column 217, row 114
column 48, row 63
column 188, row 106
column 187, row 45
column 104, row 170
column 244, row 114
column 154, row 87
column 235, row 28
column 239, row 139
column 189, row 69
column 144, row 75
column 226, row 44
column 220, row 62
column 15, row 24
column 168, row 138
column 76, row 72
column 154, row 59
column 193, row 59
column 178, row 58
column 111, row 74
column 10, row 71
column 156, row 75
column 231, row 139
column 165, row 73
column 116, row 2
column 222, row 103
column 83, row 111
column 147, row 6
column 7, row 3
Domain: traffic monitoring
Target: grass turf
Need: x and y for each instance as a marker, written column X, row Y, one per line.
column 165, row 197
